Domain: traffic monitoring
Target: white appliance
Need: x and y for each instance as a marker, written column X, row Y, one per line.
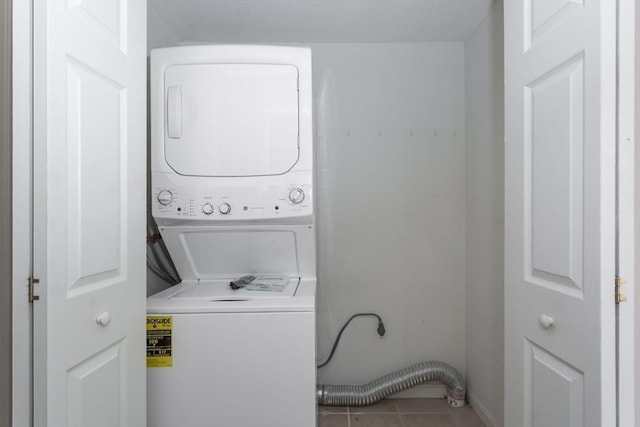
column 231, row 174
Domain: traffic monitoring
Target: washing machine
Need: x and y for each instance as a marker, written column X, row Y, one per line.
column 232, row 195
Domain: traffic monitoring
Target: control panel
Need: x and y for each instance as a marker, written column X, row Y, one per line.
column 221, row 203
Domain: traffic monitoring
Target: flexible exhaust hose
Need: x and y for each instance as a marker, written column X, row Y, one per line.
column 367, row 394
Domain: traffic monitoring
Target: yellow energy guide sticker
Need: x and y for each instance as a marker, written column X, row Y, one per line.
column 159, row 349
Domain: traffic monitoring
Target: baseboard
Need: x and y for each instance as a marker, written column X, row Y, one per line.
column 422, row 391
column 482, row 411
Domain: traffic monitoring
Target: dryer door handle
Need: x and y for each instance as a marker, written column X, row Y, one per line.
column 174, row 112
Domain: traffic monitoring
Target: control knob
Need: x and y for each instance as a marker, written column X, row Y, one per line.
column 164, row 197
column 296, row 196
column 207, row 209
column 225, row 208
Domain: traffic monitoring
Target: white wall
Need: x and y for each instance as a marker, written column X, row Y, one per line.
column 484, row 220
column 158, row 32
column 5, row 215
column 391, row 206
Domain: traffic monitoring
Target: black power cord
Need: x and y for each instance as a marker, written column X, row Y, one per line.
column 381, row 332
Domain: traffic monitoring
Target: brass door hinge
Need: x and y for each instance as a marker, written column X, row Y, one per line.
column 32, row 296
column 619, row 297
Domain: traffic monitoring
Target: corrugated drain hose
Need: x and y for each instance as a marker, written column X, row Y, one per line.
column 367, row 394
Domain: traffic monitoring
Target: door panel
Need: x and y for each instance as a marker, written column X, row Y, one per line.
column 555, row 396
column 543, row 15
column 96, row 135
column 98, row 382
column 560, row 213
column 106, row 18
column 554, row 190
column 89, row 212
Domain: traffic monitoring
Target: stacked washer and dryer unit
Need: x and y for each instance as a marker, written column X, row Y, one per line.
column 232, row 184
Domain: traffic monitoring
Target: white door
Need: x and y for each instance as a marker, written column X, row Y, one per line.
column 560, row 118
column 89, row 212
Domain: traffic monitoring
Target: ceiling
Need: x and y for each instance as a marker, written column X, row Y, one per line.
column 318, row 21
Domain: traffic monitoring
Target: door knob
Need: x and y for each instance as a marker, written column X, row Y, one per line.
column 103, row 318
column 546, row 321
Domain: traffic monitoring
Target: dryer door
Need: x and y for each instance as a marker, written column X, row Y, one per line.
column 231, row 119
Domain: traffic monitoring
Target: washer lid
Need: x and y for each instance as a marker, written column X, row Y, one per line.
column 220, row 291
column 212, row 296
column 231, row 119
column 208, row 253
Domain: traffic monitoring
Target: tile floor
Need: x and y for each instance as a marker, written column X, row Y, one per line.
column 399, row 413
